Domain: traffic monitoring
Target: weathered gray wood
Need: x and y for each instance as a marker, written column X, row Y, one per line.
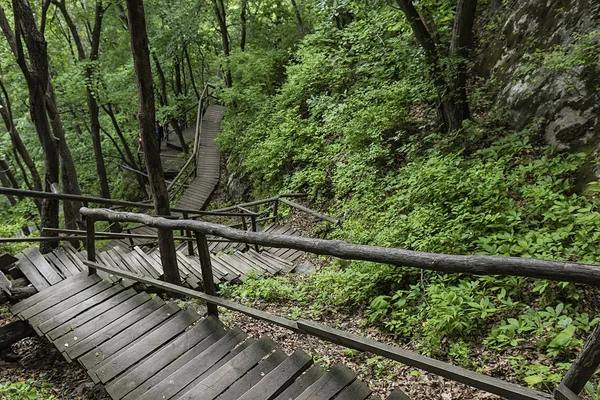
column 476, row 264
column 564, row 393
column 101, row 356
column 31, row 273
column 86, row 340
column 148, row 367
column 241, row 386
column 199, row 295
column 54, row 297
column 355, row 391
column 66, row 261
column 299, row 385
column 585, row 364
column 134, row 353
column 207, row 274
column 47, row 271
column 279, row 379
column 90, row 242
column 480, row 381
column 96, row 318
column 397, row 394
column 311, row 212
column 197, row 366
column 217, row 382
column 330, row 384
column 60, row 318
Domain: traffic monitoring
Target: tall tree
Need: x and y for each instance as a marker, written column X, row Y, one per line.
column 146, row 117
column 244, row 23
column 92, row 103
column 452, row 92
column 221, row 15
column 34, row 66
column 301, row 27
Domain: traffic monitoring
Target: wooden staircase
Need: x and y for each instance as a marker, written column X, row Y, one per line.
column 140, row 347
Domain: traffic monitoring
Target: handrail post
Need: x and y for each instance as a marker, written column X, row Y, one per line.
column 275, row 210
column 583, row 367
column 190, row 244
column 207, row 275
column 245, row 228
column 90, row 243
column 253, row 220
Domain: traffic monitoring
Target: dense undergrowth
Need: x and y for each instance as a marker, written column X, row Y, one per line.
column 353, row 125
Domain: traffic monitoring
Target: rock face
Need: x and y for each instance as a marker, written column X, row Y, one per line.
column 546, row 61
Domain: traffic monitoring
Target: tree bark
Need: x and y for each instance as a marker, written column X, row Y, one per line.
column 452, row 94
column 11, row 334
column 164, row 101
column 36, row 75
column 222, row 20
column 132, row 162
column 146, row 117
column 301, row 27
column 189, row 63
column 4, row 168
column 18, row 146
column 93, row 108
column 244, row 20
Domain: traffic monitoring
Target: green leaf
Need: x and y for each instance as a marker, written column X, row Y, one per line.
column 564, row 337
column 533, row 380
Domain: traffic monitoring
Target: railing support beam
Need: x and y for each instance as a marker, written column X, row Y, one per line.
column 207, row 274
column 90, row 242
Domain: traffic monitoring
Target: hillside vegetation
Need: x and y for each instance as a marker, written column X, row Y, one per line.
column 352, row 122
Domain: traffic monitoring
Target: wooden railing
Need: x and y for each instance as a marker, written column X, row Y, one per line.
column 190, row 166
column 581, row 371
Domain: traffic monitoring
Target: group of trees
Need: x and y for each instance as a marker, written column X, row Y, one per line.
column 73, row 63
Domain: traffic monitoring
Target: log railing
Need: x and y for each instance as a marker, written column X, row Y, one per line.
column 580, row 372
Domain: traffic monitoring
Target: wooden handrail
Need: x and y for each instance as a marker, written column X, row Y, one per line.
column 199, row 116
column 486, row 383
column 473, row 264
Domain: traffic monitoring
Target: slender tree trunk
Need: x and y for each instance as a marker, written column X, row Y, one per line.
column 177, row 68
column 18, row 145
column 164, row 101
column 244, row 20
column 222, row 20
column 189, row 63
column 146, row 117
column 36, row 75
column 4, row 168
column 132, row 161
column 301, row 27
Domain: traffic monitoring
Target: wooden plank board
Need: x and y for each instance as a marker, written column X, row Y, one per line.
column 330, row 384
column 70, row 313
column 134, row 353
column 355, row 391
column 148, row 367
column 194, row 368
column 101, row 355
column 216, row 366
column 217, row 382
column 281, row 378
column 32, row 300
column 47, row 271
column 58, row 266
column 241, row 386
column 301, row 383
column 81, row 344
column 97, row 317
column 54, row 297
column 67, row 262
column 31, row 273
column 163, row 373
column 66, row 304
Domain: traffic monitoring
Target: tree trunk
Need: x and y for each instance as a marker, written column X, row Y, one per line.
column 36, row 75
column 189, row 63
column 177, row 68
column 243, row 19
column 222, row 20
column 4, row 168
column 18, row 146
column 146, row 117
column 164, row 101
column 132, row 162
column 301, row 27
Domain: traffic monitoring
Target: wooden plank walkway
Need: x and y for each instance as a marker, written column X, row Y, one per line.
column 140, row 347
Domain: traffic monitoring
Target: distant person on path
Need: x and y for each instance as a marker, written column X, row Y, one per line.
column 159, row 134
column 140, row 147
